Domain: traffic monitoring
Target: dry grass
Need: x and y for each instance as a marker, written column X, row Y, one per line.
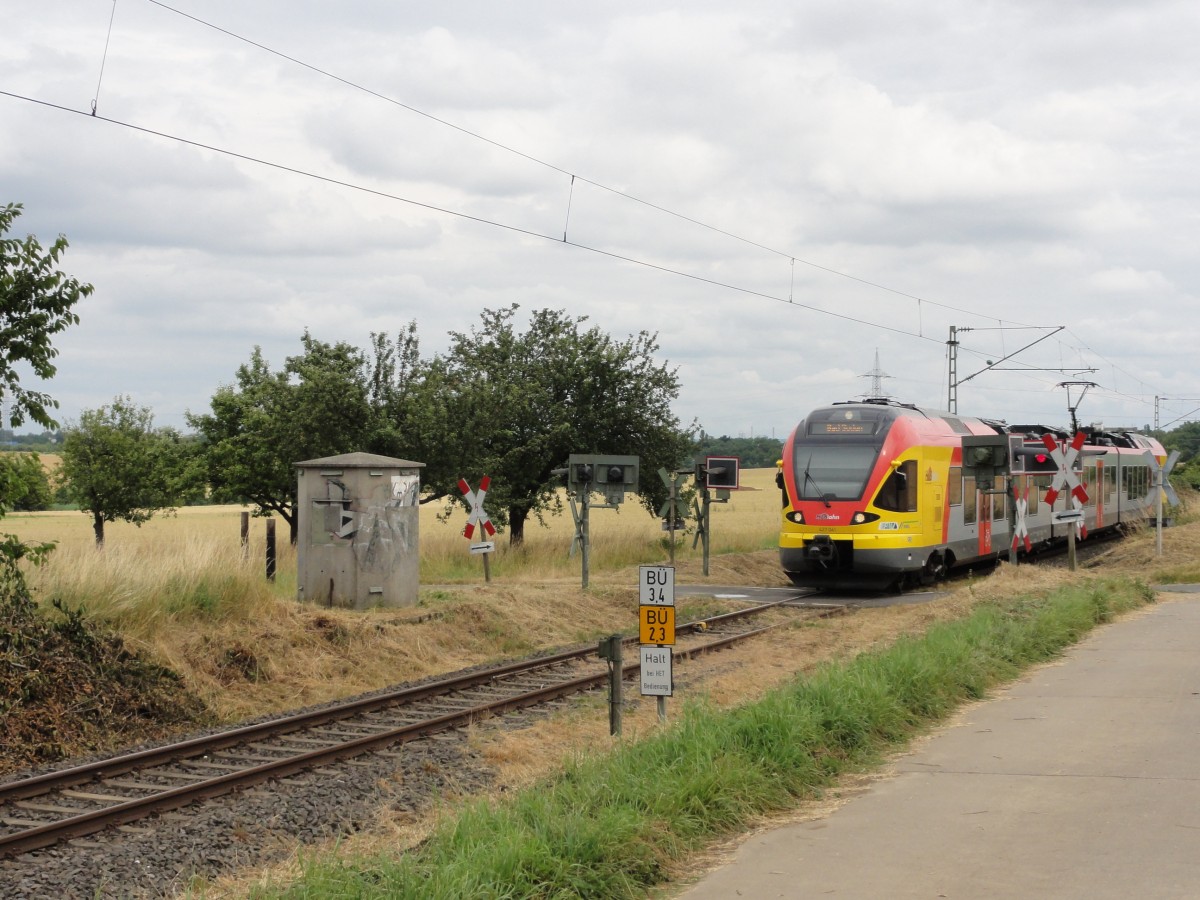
column 247, row 648
column 523, row 757
column 181, row 590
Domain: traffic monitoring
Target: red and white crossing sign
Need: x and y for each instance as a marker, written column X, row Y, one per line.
column 477, row 515
column 1021, row 531
column 1065, row 456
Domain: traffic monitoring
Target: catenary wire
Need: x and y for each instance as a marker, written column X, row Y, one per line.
column 552, row 166
column 326, row 179
column 323, row 72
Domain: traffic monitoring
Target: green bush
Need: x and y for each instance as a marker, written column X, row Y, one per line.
column 24, row 484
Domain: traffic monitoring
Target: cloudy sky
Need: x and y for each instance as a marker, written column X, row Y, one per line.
column 780, row 190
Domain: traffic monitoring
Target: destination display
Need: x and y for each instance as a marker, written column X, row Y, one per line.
column 842, row 427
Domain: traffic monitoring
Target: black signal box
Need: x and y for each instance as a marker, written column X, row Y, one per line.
column 722, row 472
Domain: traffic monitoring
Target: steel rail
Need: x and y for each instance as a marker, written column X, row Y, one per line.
column 49, row 781
column 174, row 798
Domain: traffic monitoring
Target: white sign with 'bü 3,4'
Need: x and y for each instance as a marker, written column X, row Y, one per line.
column 656, row 585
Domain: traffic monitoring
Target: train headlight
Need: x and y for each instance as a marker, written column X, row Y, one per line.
column 862, row 518
column 795, row 517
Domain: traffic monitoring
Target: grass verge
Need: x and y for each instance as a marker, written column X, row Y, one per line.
column 613, row 825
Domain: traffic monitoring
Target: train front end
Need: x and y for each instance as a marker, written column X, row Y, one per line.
column 849, row 478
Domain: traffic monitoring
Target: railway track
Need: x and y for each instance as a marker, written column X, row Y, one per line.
column 43, row 810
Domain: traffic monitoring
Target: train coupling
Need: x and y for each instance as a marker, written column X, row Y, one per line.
column 821, row 548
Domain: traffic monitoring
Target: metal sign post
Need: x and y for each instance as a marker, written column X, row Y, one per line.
column 1067, row 477
column 611, row 475
column 477, row 516
column 702, row 503
column 656, row 632
column 1073, row 519
column 674, row 510
column 720, row 473
column 579, row 514
column 1161, row 486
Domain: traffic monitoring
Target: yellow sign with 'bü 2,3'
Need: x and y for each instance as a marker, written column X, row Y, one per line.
column 656, row 625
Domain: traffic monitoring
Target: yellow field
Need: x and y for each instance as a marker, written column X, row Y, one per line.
column 180, row 590
column 619, row 538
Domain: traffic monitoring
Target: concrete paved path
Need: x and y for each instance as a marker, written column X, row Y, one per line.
column 1082, row 780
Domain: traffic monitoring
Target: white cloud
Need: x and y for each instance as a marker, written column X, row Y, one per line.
column 1010, row 162
column 1127, row 280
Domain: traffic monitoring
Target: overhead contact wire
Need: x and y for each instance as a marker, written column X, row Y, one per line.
column 282, row 167
column 549, row 165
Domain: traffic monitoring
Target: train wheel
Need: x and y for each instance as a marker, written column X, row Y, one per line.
column 935, row 569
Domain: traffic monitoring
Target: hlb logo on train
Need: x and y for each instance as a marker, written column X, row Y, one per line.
column 656, row 585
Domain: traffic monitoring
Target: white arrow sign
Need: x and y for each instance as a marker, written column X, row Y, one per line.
column 476, row 516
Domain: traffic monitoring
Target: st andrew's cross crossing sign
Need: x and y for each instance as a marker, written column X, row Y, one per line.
column 476, row 516
column 1021, row 529
column 1066, row 477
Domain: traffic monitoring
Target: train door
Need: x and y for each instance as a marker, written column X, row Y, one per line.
column 985, row 522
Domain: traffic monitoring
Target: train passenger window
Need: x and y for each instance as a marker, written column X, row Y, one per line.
column 999, row 499
column 969, row 498
column 1035, row 497
column 954, row 493
column 899, row 491
column 1043, row 484
column 1137, row 481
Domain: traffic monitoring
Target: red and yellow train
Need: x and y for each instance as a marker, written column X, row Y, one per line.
column 875, row 495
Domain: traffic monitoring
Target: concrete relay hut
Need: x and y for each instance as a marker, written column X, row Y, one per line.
column 357, row 531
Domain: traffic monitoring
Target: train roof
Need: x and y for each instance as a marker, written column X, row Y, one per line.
column 1092, row 435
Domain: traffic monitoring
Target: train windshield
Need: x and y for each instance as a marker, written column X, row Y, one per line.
column 833, row 471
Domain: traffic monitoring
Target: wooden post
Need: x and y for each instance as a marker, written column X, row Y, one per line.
column 270, row 549
column 245, row 535
column 616, row 674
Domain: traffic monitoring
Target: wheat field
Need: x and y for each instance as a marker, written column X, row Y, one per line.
column 193, row 558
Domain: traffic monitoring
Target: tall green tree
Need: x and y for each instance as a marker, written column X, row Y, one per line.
column 523, row 401
column 36, row 302
column 24, row 484
column 117, row 466
column 318, row 404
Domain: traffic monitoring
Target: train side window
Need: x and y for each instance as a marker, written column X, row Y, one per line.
column 1043, row 484
column 1035, row 497
column 969, row 500
column 899, row 491
column 999, row 499
column 954, row 492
